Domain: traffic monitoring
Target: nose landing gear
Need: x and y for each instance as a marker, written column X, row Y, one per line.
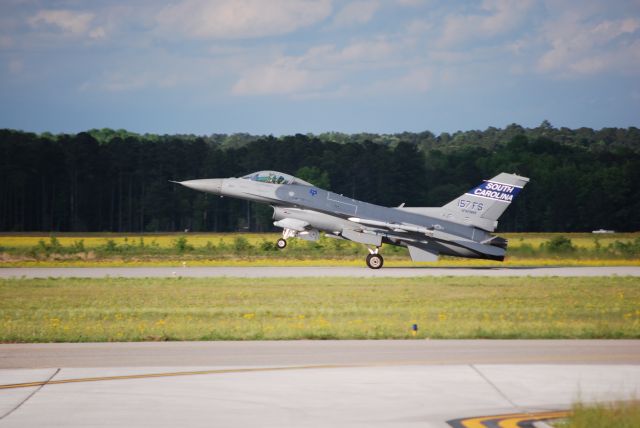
column 286, row 234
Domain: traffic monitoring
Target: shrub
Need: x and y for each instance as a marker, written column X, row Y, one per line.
column 222, row 246
column 182, row 245
column 559, row 244
column 523, row 250
column 52, row 247
column 40, row 248
column 241, row 244
column 110, row 246
column 268, row 246
column 627, row 249
column 78, row 246
column 54, row 244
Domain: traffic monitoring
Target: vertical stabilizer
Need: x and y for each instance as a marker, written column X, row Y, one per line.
column 483, row 205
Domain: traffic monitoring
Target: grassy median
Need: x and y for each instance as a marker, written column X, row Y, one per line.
column 115, row 309
column 235, row 249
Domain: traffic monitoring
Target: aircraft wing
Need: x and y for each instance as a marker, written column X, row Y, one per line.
column 420, row 249
column 396, row 227
column 363, row 237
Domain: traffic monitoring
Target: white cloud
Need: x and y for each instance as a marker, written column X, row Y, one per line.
column 237, row 19
column 288, row 75
column 316, row 69
column 117, row 82
column 417, row 80
column 15, row 66
column 281, row 78
column 98, row 33
column 65, row 20
column 6, row 42
column 357, row 53
column 497, row 17
column 357, row 12
column 133, row 80
column 159, row 70
column 577, row 46
column 411, row 3
column 418, row 26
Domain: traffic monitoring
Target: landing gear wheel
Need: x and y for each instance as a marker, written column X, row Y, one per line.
column 281, row 243
column 375, row 261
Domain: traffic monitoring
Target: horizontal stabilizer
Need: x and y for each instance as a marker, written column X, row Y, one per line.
column 420, row 255
column 489, row 250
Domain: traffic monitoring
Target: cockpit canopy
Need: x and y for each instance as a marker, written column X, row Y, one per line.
column 275, row 177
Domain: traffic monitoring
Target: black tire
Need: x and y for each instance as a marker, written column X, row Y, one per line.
column 375, row 261
column 281, row 243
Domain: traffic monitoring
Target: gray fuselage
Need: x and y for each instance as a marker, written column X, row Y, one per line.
column 339, row 216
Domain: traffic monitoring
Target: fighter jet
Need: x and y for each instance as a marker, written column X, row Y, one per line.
column 460, row 228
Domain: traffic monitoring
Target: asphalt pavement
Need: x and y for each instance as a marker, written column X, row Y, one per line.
column 273, row 272
column 318, row 352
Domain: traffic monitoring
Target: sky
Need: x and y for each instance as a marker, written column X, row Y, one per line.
column 310, row 66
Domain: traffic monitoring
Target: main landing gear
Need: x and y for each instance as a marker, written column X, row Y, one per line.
column 281, row 243
column 374, row 260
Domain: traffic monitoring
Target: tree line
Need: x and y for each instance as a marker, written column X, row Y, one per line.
column 118, row 181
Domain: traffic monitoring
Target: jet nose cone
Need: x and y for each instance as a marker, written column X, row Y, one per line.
column 209, row 185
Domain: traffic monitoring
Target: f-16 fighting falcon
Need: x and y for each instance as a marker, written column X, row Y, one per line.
column 460, row 228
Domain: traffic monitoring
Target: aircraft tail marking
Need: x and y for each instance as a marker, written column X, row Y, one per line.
column 496, row 191
column 485, row 203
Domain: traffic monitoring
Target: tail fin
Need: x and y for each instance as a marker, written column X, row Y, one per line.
column 484, row 204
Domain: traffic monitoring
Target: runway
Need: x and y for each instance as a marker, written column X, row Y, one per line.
column 413, row 383
column 320, row 352
column 298, row 272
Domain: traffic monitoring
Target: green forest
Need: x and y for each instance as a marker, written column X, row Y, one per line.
column 107, row 180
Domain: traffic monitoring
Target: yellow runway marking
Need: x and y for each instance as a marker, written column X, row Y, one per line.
column 169, row 374
column 461, row 361
column 515, row 421
column 512, row 420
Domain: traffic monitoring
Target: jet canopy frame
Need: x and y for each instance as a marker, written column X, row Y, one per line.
column 275, row 177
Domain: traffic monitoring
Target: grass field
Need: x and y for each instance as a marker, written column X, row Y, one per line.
column 114, row 309
column 93, row 241
column 259, row 249
column 622, row 414
column 167, row 240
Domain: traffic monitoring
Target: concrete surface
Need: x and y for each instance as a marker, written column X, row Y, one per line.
column 342, row 384
column 268, row 272
column 390, row 396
